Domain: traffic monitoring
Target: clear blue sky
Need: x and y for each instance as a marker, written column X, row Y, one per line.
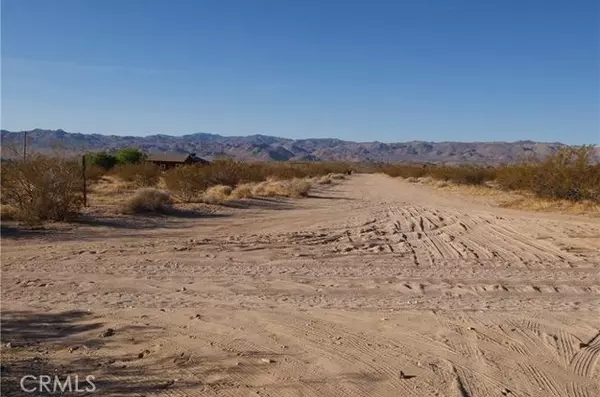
column 361, row 70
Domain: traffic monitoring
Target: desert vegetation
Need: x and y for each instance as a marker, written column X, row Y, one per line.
column 225, row 178
column 568, row 174
column 41, row 189
column 46, row 188
column 147, row 200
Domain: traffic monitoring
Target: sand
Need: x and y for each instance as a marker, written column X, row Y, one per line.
column 370, row 287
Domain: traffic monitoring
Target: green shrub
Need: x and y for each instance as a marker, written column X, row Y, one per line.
column 101, row 159
column 130, row 156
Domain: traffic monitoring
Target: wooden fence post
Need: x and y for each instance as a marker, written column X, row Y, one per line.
column 84, row 181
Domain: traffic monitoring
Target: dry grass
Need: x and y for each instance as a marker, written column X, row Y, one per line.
column 8, row 212
column 531, row 203
column 243, row 191
column 141, row 175
column 282, row 188
column 217, row 194
column 324, row 180
column 147, row 200
column 195, row 183
column 521, row 200
column 110, row 190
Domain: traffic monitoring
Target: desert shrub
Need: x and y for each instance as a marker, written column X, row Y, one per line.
column 8, row 213
column 298, row 188
column 148, row 200
column 462, row 175
column 130, row 156
column 324, row 180
column 569, row 174
column 243, row 190
column 216, row 194
column 404, row 170
column 103, row 160
column 187, row 183
column 43, row 188
column 282, row 188
column 93, row 173
column 227, row 172
column 141, row 175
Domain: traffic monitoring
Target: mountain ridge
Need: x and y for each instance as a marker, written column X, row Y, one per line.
column 260, row 147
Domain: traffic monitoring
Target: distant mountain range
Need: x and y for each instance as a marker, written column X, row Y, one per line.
column 261, row 147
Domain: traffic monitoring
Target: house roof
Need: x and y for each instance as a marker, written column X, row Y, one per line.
column 168, row 157
column 175, row 157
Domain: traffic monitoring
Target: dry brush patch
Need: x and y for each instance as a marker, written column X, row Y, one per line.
column 43, row 188
column 569, row 174
column 141, row 175
column 195, row 183
column 148, row 200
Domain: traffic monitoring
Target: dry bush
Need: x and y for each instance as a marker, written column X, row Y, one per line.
column 43, row 188
column 404, row 170
column 561, row 205
column 282, row 188
column 324, row 180
column 216, row 194
column 110, row 190
column 141, row 175
column 462, row 175
column 188, row 182
column 148, row 200
column 568, row 174
column 94, row 173
column 298, row 188
column 8, row 213
column 243, row 190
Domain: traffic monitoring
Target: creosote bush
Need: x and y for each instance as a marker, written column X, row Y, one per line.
column 43, row 188
column 567, row 174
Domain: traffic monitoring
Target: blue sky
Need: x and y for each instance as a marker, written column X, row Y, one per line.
column 468, row 70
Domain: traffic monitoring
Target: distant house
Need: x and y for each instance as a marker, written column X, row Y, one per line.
column 169, row 160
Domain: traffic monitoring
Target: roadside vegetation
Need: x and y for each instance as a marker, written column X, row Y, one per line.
column 569, row 174
column 41, row 189
column 45, row 188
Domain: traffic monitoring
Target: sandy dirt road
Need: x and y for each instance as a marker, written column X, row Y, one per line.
column 372, row 287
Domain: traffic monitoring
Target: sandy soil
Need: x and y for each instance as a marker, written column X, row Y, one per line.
column 372, row 287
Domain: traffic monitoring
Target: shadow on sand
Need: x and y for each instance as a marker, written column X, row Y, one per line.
column 71, row 343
